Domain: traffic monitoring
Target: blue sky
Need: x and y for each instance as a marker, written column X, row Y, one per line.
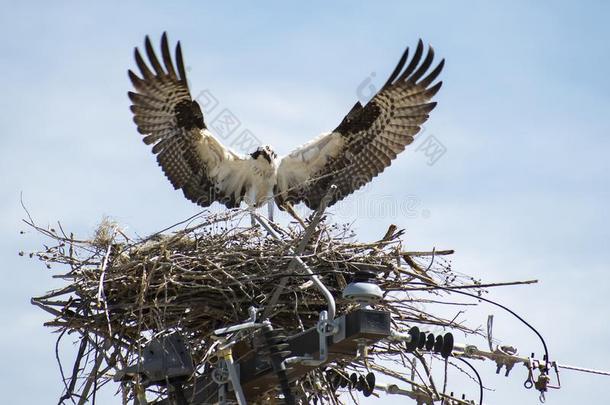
column 521, row 192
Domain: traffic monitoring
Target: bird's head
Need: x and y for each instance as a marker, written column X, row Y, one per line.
column 264, row 152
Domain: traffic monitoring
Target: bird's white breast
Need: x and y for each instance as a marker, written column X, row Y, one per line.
column 262, row 177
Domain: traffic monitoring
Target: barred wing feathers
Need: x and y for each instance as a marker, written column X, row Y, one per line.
column 170, row 120
column 368, row 138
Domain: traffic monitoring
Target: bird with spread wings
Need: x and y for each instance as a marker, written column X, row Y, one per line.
column 357, row 150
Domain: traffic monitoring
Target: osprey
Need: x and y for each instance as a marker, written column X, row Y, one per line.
column 358, row 149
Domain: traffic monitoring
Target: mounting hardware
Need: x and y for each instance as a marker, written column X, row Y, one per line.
column 225, row 356
column 164, row 358
column 220, row 373
column 249, row 324
column 325, row 328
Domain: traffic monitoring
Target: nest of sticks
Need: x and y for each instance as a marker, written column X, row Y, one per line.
column 206, row 273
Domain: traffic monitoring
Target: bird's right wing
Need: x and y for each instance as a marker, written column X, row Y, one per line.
column 191, row 158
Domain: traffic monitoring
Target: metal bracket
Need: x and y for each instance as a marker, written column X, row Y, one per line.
column 164, row 358
column 250, row 324
column 505, row 357
column 325, row 328
column 227, row 369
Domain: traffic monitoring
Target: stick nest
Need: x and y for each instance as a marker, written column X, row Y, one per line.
column 202, row 275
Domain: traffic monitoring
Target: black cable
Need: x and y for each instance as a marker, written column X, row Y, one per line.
column 478, row 377
column 546, row 351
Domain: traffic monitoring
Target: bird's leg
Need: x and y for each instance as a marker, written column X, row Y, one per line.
column 250, row 199
column 252, row 209
column 270, row 206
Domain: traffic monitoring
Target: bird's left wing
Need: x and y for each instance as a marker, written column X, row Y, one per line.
column 191, row 158
column 368, row 138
